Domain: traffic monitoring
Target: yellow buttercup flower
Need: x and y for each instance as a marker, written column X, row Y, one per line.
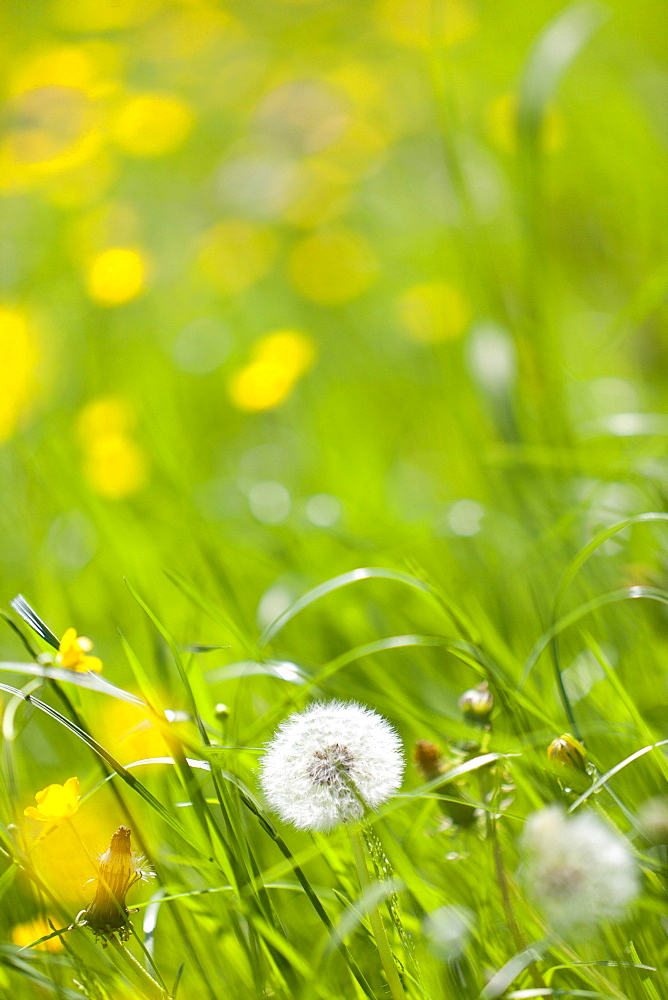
column 73, row 653
column 33, row 930
column 55, row 802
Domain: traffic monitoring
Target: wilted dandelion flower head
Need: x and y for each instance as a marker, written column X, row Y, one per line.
column 326, row 764
column 578, row 870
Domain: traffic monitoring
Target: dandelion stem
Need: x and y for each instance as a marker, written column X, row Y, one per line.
column 379, row 933
column 152, row 988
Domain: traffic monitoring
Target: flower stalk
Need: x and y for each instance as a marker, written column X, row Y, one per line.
column 377, row 926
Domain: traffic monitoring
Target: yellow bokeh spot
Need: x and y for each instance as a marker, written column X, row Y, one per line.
column 236, row 253
column 332, row 266
column 502, row 125
column 152, row 124
column 19, row 359
column 129, row 732
column 321, row 192
column 105, row 415
column 434, row 311
column 62, row 860
column 421, row 24
column 279, row 359
column 24, row 934
column 89, row 68
column 102, row 15
column 116, row 275
column 114, row 466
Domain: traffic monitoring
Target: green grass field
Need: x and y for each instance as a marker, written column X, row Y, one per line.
column 333, row 366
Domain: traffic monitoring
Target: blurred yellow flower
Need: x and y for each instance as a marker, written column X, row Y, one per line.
column 116, row 276
column 502, row 125
column 102, row 15
column 434, row 311
column 332, row 266
column 279, row 360
column 33, row 930
column 73, row 653
column 153, row 124
column 55, row 802
column 19, row 359
column 88, row 68
column 236, row 253
column 421, row 23
column 105, row 415
column 114, row 466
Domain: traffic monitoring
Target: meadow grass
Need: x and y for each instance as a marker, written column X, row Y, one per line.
column 333, row 339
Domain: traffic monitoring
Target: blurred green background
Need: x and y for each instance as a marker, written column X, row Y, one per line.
column 290, row 288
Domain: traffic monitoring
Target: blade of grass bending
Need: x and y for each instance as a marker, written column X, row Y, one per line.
column 242, row 863
column 567, row 578
column 336, row 583
column 30, row 616
column 611, row 597
column 254, row 806
column 90, row 681
column 614, row 770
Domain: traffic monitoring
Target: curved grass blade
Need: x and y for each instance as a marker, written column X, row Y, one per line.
column 97, row 748
column 612, row 597
column 553, row 52
column 336, row 583
column 614, row 770
column 31, row 617
column 88, row 680
column 595, row 543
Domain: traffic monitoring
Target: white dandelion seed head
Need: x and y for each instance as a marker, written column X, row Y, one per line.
column 326, row 764
column 578, row 870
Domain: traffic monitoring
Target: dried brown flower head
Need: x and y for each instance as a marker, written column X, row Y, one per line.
column 118, row 872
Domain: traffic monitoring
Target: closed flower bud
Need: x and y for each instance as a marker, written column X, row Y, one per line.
column 221, row 712
column 430, row 763
column 568, row 752
column 428, row 759
column 476, row 704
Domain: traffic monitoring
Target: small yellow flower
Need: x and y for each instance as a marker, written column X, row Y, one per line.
column 55, row 802
column 24, row 935
column 73, row 653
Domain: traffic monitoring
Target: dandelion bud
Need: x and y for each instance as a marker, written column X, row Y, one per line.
column 428, row 759
column 653, row 819
column 430, row 763
column 476, row 704
column 119, row 870
column 568, row 752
